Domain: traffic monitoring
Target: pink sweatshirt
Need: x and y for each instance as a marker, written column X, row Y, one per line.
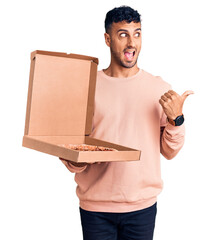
column 127, row 112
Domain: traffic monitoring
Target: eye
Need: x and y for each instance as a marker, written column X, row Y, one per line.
column 137, row 34
column 123, row 34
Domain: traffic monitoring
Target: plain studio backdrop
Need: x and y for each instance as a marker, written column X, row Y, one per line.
column 38, row 198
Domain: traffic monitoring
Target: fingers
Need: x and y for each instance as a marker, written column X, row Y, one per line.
column 63, row 160
column 168, row 95
column 187, row 93
column 172, row 95
column 172, row 92
column 161, row 101
column 83, row 163
column 164, row 98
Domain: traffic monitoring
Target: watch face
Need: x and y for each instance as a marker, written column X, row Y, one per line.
column 179, row 120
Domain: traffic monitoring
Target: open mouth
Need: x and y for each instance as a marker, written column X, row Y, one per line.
column 129, row 55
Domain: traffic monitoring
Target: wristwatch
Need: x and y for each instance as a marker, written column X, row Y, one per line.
column 178, row 121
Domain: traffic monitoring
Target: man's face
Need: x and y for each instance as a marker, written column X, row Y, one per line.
column 124, row 40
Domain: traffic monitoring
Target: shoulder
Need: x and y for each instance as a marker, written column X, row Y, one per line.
column 155, row 78
column 157, row 81
column 100, row 75
column 100, row 72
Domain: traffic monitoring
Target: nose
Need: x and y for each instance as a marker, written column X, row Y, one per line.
column 131, row 42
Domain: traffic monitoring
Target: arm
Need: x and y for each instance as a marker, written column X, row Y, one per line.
column 171, row 140
column 172, row 137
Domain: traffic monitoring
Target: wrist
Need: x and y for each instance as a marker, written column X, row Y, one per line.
column 178, row 121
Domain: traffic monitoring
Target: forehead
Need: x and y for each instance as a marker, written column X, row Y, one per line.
column 124, row 25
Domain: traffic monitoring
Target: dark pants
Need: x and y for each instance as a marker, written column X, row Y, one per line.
column 136, row 225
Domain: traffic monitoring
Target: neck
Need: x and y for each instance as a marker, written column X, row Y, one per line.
column 120, row 72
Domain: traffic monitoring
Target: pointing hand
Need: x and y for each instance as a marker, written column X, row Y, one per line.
column 172, row 103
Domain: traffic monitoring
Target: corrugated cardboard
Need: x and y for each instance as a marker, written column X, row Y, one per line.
column 60, row 108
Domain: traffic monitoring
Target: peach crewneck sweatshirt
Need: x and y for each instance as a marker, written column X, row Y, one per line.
column 127, row 112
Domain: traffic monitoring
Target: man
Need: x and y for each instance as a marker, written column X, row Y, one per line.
column 135, row 109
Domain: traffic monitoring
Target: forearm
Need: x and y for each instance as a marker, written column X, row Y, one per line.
column 172, row 140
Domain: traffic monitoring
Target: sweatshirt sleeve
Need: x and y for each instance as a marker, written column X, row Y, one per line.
column 171, row 139
column 72, row 168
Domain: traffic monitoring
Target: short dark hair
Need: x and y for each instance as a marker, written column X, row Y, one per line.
column 122, row 13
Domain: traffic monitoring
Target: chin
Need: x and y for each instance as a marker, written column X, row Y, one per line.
column 128, row 65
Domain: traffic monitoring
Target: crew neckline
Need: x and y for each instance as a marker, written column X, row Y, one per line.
column 117, row 79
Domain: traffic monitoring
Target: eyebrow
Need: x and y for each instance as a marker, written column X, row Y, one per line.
column 127, row 30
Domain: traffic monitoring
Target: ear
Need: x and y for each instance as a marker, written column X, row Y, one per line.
column 107, row 39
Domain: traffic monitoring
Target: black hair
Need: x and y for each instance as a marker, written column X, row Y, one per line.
column 122, row 13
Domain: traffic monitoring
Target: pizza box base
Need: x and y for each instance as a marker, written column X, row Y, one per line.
column 50, row 145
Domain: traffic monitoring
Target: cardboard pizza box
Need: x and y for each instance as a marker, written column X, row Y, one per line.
column 60, row 108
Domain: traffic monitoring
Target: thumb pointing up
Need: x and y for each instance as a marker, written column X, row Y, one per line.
column 186, row 94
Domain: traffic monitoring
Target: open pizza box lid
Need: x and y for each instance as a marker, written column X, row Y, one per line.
column 60, row 108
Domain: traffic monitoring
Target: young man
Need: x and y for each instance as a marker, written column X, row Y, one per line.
column 135, row 109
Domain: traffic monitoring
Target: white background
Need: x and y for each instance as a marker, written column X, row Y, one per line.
column 38, row 199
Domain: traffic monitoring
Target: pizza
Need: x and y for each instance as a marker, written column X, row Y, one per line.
column 86, row 147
